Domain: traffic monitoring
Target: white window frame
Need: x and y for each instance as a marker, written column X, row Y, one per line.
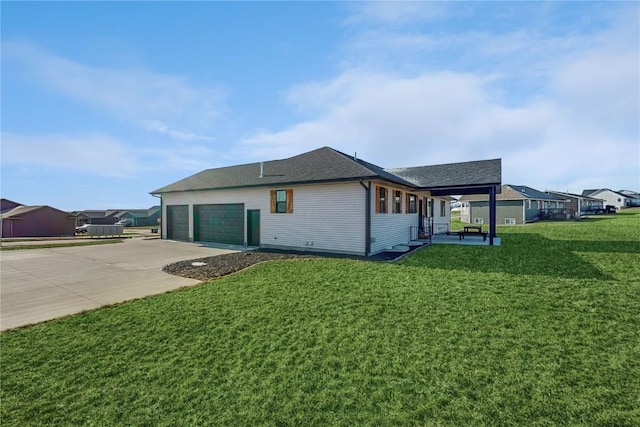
column 510, row 221
column 479, row 220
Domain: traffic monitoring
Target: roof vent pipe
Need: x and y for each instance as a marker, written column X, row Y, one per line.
column 261, row 169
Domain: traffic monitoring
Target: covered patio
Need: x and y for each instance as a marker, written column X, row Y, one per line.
column 455, row 179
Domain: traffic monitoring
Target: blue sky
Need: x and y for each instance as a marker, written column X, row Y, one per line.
column 103, row 102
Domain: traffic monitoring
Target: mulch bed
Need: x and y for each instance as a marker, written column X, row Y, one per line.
column 222, row 265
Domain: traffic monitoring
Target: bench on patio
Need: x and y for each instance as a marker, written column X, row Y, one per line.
column 472, row 230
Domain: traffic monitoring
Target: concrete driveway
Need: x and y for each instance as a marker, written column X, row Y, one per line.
column 43, row 284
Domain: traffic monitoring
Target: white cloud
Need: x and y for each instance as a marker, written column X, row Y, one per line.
column 96, row 154
column 139, row 95
column 395, row 120
column 92, row 153
column 562, row 111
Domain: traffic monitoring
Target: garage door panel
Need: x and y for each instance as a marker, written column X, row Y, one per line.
column 178, row 222
column 219, row 223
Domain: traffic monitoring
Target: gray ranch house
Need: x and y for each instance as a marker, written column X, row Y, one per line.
column 322, row 200
column 516, row 204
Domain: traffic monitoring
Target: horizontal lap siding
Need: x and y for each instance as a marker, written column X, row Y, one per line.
column 331, row 216
column 390, row 229
column 328, row 217
column 504, row 209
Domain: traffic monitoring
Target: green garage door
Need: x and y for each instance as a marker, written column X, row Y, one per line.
column 178, row 222
column 223, row 223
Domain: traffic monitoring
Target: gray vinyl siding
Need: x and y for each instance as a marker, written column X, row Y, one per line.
column 504, row 209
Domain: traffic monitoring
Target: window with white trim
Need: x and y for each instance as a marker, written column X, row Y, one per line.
column 510, row 221
column 478, row 220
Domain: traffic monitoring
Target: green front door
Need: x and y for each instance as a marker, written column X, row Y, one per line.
column 253, row 227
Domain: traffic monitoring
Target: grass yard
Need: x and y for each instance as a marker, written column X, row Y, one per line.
column 83, row 242
column 541, row 331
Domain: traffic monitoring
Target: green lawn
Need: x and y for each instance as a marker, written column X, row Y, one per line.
column 541, row 331
column 83, row 242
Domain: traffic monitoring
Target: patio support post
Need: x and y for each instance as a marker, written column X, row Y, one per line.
column 492, row 214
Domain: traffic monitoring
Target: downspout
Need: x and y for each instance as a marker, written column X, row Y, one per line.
column 161, row 215
column 367, row 219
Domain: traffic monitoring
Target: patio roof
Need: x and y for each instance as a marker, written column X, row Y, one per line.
column 475, row 177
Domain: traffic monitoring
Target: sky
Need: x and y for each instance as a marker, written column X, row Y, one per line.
column 104, row 102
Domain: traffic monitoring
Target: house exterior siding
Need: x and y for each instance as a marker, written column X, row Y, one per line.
column 390, row 229
column 618, row 200
column 504, row 209
column 140, row 221
column 328, row 217
column 441, row 223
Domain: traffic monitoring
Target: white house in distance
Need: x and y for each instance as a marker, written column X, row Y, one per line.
column 322, row 200
column 620, row 199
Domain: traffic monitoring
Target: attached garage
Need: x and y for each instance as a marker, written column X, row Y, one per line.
column 178, row 222
column 219, row 223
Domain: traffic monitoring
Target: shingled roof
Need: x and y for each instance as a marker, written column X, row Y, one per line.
column 516, row 192
column 18, row 211
column 562, row 194
column 321, row 165
column 329, row 165
column 465, row 174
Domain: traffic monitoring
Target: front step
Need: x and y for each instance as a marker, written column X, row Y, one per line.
column 399, row 248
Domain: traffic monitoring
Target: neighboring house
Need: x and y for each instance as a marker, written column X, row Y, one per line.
column 323, row 200
column 516, row 204
column 95, row 217
column 577, row 205
column 141, row 217
column 615, row 198
column 37, row 221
